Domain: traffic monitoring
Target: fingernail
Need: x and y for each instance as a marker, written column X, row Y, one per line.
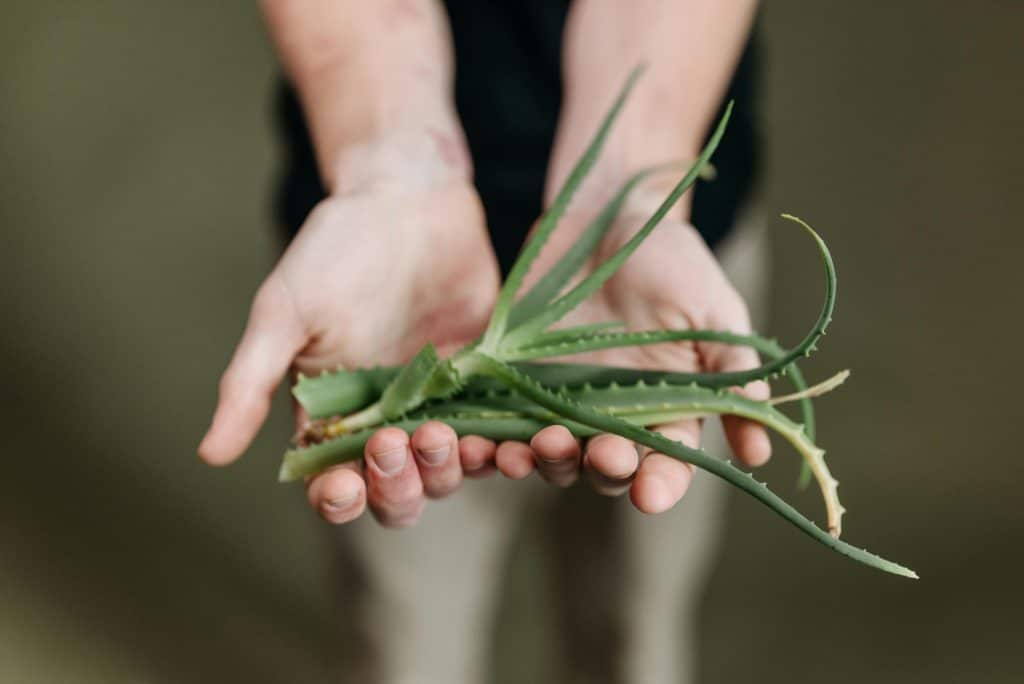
column 339, row 504
column 391, row 462
column 435, row 456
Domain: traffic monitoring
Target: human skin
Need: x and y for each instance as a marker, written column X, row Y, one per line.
column 398, row 254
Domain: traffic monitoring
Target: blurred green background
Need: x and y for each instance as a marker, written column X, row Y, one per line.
column 136, row 161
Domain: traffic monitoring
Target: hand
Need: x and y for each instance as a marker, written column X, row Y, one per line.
column 372, row 276
column 671, row 281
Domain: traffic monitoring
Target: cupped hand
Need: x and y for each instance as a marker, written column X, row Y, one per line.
column 672, row 281
column 371, row 277
column 374, row 275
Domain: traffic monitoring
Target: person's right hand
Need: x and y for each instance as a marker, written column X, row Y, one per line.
column 373, row 274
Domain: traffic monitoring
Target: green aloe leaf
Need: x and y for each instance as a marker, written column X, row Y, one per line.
column 540, row 346
column 552, row 283
column 549, row 221
column 569, row 301
column 310, row 460
column 425, row 377
column 576, row 412
column 341, row 391
column 640, row 403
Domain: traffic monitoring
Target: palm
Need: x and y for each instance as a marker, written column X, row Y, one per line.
column 370, row 278
column 366, row 300
column 672, row 281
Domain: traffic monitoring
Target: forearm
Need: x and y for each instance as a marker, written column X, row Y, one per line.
column 366, row 72
column 690, row 49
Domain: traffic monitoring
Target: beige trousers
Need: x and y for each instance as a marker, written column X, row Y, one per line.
column 419, row 604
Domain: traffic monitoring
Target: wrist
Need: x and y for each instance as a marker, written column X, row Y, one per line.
column 375, row 81
column 690, row 50
column 643, row 137
column 424, row 155
column 367, row 130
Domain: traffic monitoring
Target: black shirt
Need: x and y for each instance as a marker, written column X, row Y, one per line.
column 507, row 92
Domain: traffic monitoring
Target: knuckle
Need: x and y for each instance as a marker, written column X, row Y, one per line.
column 398, row 518
column 399, row 495
column 442, row 486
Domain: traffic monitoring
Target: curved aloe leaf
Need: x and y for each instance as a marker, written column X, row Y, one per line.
column 723, row 469
column 502, row 308
column 570, row 300
column 558, row 276
column 342, row 391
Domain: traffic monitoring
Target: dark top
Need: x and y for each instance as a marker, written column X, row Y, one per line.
column 507, row 91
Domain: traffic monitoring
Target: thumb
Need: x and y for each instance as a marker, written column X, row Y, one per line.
column 272, row 338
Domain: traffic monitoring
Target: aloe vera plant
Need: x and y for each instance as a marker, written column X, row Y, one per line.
column 494, row 388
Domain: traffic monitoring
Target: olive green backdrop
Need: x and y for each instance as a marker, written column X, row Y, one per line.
column 135, row 169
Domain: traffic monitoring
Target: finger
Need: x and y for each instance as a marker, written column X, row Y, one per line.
column 477, row 456
column 515, row 460
column 747, row 439
column 436, row 449
column 610, row 462
column 557, row 455
column 338, row 494
column 272, row 338
column 661, row 481
column 394, row 488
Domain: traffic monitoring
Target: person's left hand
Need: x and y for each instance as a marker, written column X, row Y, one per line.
column 672, row 281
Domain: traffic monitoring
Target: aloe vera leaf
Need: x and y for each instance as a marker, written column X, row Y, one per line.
column 304, row 461
column 575, row 374
column 781, row 361
column 704, row 402
column 823, row 387
column 547, row 347
column 814, row 457
column 571, row 375
column 530, row 349
column 425, row 377
column 576, row 412
column 502, row 308
column 504, row 415
column 576, row 332
column 644, row 404
column 570, row 300
column 342, row 391
column 639, row 404
column 548, row 287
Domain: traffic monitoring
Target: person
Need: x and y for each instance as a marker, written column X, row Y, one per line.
column 422, row 141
